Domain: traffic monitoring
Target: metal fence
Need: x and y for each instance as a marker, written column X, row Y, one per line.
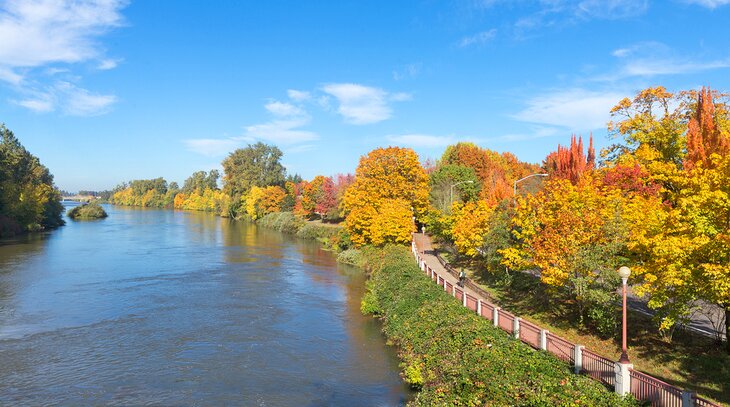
column 599, row 368
column 655, row 391
column 642, row 386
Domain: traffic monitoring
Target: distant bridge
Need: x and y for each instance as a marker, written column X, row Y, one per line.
column 80, row 198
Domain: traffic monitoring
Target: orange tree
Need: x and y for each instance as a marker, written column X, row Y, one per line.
column 573, row 234
column 390, row 188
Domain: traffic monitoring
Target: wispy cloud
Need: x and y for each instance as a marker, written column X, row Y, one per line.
column 283, row 109
column 407, row 71
column 573, row 109
column 68, row 98
column 283, row 132
column 108, row 64
column 478, row 38
column 298, row 95
column 360, row 104
column 38, row 33
column 421, row 140
column 652, row 58
column 711, row 4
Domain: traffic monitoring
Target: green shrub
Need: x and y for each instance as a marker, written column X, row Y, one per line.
column 351, row 256
column 285, row 222
column 317, row 232
column 459, row 358
column 90, row 210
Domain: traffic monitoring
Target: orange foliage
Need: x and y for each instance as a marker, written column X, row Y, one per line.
column 571, row 163
column 703, row 135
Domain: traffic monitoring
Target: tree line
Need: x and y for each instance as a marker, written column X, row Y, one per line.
column 657, row 199
column 29, row 200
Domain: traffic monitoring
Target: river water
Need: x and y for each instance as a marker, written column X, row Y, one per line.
column 184, row 308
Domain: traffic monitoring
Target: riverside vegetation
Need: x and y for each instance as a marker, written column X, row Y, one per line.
column 91, row 210
column 658, row 200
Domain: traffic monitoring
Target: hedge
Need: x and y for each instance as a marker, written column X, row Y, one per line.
column 458, row 358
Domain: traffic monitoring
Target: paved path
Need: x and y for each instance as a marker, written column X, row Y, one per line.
column 700, row 323
column 423, row 245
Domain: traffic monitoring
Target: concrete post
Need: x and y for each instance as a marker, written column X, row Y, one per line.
column 516, row 327
column 453, row 290
column 495, row 316
column 479, row 307
column 686, row 398
column 623, row 378
column 543, row 339
column 463, row 296
column 579, row 358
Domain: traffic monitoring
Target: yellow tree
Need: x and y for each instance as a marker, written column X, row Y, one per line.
column 392, row 179
column 470, row 225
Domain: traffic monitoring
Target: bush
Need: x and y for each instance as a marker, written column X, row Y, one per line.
column 285, row 222
column 90, row 210
column 458, row 358
column 317, row 232
column 351, row 256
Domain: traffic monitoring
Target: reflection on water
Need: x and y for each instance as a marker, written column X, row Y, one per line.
column 169, row 307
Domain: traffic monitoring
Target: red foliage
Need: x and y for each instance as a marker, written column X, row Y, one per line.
column 327, row 199
column 571, row 163
column 630, row 179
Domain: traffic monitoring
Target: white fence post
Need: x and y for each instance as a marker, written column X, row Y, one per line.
column 686, row 398
column 579, row 358
column 516, row 327
column 495, row 316
column 463, row 296
column 623, row 378
column 543, row 339
column 453, row 290
column 479, row 307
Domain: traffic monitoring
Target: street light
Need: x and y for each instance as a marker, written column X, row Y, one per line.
column 624, row 272
column 458, row 183
column 522, row 179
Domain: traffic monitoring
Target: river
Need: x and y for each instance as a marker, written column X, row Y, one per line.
column 182, row 308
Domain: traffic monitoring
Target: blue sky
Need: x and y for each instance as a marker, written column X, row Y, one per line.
column 106, row 91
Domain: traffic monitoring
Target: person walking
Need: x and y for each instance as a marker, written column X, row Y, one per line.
column 462, row 278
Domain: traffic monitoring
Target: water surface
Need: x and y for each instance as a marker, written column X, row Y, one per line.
column 184, row 308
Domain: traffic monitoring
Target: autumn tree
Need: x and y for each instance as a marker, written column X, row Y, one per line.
column 572, row 162
column 704, row 136
column 261, row 201
column 470, row 225
column 256, row 165
column 390, row 188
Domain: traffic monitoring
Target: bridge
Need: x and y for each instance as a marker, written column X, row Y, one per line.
column 79, row 198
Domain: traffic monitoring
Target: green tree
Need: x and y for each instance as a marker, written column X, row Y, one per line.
column 466, row 186
column 256, row 165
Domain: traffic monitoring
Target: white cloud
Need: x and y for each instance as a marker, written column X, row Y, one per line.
column 7, row 75
column 573, row 109
column 283, row 109
column 108, row 64
column 362, row 104
column 37, row 32
column 298, row 95
column 81, row 102
column 611, row 9
column 711, row 4
column 285, row 131
column 69, row 98
column 479, row 38
column 421, row 140
column 655, row 58
column 41, row 105
column 212, row 147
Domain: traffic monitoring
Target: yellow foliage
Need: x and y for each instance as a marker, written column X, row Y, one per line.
column 470, row 224
column 390, row 188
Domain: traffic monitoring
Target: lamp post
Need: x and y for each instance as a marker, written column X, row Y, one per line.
column 624, row 272
column 522, row 179
column 451, row 201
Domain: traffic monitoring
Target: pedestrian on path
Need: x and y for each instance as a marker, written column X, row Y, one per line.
column 462, row 278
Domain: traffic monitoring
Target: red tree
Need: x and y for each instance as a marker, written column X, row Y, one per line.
column 570, row 163
column 703, row 136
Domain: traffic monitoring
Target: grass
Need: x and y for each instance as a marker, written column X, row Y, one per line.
column 690, row 361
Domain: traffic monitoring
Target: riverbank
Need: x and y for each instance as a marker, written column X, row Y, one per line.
column 456, row 358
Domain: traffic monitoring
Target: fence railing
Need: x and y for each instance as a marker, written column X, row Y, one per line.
column 604, row 370
column 598, row 367
column 655, row 391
